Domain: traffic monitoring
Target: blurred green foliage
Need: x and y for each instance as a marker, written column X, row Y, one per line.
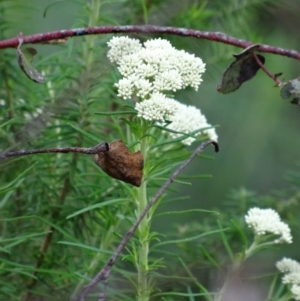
column 258, row 136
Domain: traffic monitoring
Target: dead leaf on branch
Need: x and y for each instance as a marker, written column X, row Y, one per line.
column 291, row 88
column 121, row 164
column 25, row 59
column 242, row 69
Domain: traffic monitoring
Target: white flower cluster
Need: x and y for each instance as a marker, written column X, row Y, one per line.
column 122, row 46
column 267, row 221
column 188, row 119
column 287, row 265
column 155, row 66
column 295, row 289
column 184, row 119
column 157, row 107
column 291, row 269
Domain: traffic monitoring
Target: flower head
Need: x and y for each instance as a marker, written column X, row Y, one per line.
column 125, row 87
column 265, row 221
column 157, row 108
column 291, row 278
column 158, row 44
column 187, row 120
column 169, row 80
column 291, row 269
column 122, row 46
column 287, row 265
column 295, row 289
column 190, row 67
column 157, row 61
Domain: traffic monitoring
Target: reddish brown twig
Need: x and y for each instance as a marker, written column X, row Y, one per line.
column 102, row 147
column 262, row 66
column 148, row 29
column 105, row 272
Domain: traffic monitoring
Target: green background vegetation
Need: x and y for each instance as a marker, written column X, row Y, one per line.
column 258, row 131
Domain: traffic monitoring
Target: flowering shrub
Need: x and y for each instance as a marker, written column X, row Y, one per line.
column 149, row 72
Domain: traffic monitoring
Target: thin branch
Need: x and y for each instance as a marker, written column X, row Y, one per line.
column 102, row 147
column 262, row 66
column 148, row 29
column 105, row 271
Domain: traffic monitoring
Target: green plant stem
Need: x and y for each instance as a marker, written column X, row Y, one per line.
column 94, row 11
column 250, row 250
column 143, row 233
column 257, row 245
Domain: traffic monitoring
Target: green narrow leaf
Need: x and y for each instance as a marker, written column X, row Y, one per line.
column 189, row 290
column 4, row 250
column 56, row 227
column 115, row 113
column 82, row 246
column 201, row 287
column 187, row 211
column 210, row 259
column 175, row 241
column 178, row 294
column 83, row 132
column 241, row 232
column 8, row 192
column 17, row 218
column 6, row 123
column 226, row 244
column 180, row 138
column 96, row 206
column 22, row 238
column 16, row 180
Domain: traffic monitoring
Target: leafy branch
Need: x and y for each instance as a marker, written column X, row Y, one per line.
column 245, row 66
column 105, row 271
column 103, row 147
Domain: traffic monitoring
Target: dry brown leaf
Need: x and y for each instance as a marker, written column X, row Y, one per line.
column 121, row 164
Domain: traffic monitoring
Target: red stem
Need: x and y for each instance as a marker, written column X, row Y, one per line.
column 148, row 29
column 261, row 65
column 102, row 147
